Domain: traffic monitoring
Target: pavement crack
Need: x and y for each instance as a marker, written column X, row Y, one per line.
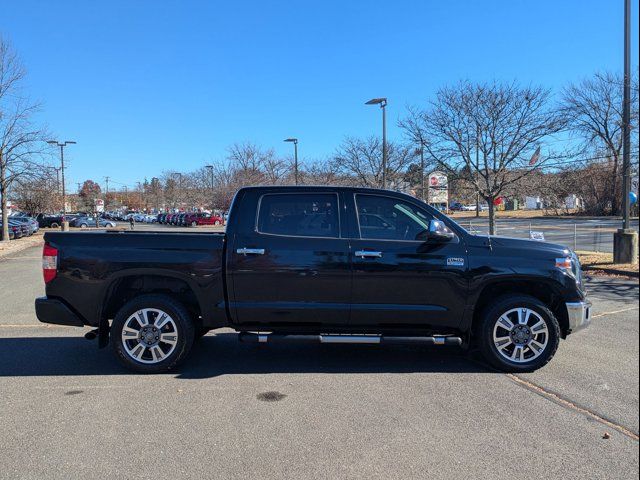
column 554, row 397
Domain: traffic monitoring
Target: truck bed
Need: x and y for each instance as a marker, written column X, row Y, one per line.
column 96, row 266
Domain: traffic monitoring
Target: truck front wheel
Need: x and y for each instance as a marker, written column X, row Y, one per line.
column 152, row 334
column 519, row 334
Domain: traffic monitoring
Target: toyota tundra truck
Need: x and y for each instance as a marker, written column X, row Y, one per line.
column 325, row 264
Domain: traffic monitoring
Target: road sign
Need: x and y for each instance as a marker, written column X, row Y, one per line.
column 537, row 236
column 438, row 188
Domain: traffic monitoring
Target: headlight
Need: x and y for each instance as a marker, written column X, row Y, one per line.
column 571, row 265
column 564, row 263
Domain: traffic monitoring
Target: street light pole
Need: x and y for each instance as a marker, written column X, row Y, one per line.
column 625, row 240
column 383, row 103
column 64, row 197
column 210, row 168
column 295, row 157
column 179, row 196
column 422, row 187
column 626, row 118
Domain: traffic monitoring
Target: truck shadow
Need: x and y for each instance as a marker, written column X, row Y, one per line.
column 223, row 354
column 613, row 289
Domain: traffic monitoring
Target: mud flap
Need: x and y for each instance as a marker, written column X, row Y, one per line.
column 103, row 333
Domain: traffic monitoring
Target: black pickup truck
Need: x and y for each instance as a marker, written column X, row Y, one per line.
column 327, row 264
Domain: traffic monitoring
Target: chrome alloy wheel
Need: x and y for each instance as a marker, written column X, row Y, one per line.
column 520, row 335
column 149, row 335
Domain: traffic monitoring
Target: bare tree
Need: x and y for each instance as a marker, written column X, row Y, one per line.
column 593, row 108
column 487, row 134
column 361, row 159
column 34, row 194
column 253, row 165
column 21, row 143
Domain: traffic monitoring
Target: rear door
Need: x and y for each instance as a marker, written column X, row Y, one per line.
column 398, row 280
column 290, row 265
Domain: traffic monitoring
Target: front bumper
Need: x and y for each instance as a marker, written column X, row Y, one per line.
column 51, row 310
column 579, row 314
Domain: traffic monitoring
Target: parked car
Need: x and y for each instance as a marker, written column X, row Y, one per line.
column 30, row 221
column 86, row 222
column 49, row 221
column 297, row 264
column 14, row 231
column 25, row 228
column 160, row 218
column 194, row 219
column 19, row 229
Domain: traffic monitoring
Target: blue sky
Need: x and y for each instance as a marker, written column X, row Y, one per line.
column 146, row 86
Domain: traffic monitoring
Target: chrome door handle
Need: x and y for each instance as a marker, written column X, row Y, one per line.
column 250, row 251
column 368, row 254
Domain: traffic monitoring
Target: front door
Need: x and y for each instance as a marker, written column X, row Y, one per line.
column 398, row 279
column 293, row 268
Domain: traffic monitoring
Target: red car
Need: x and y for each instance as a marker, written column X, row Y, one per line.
column 193, row 219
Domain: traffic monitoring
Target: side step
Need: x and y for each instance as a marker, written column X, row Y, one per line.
column 250, row 337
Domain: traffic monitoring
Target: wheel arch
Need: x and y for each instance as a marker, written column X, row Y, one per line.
column 548, row 293
column 122, row 288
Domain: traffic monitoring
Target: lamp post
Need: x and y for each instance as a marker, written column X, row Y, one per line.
column 295, row 157
column 625, row 240
column 422, row 187
column 64, row 197
column 383, row 103
column 210, row 168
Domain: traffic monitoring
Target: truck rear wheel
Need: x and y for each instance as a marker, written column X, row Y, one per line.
column 519, row 334
column 152, row 334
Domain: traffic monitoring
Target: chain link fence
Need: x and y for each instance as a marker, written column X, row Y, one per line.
column 575, row 235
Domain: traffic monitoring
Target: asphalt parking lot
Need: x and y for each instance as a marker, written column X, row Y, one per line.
column 68, row 410
column 590, row 234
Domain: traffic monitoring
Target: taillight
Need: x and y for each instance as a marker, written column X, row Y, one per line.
column 49, row 262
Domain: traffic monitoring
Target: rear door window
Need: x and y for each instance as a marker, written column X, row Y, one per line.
column 299, row 215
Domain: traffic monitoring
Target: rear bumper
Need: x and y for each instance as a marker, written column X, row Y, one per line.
column 579, row 314
column 50, row 310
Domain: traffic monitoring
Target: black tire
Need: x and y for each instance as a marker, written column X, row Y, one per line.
column 54, row 225
column 492, row 315
column 183, row 323
column 194, row 224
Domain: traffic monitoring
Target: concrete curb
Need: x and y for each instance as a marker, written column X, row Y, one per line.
column 16, row 246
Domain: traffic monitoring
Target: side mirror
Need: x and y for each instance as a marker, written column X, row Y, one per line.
column 438, row 232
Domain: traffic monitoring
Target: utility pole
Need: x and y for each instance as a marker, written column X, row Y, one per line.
column 65, row 225
column 625, row 240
